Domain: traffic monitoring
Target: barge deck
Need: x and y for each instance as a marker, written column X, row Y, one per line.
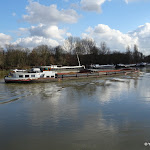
column 76, row 76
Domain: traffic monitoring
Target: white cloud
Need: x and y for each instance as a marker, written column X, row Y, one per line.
column 92, row 5
column 34, row 41
column 143, row 35
column 4, row 39
column 53, row 36
column 22, row 32
column 42, row 34
column 47, row 31
column 38, row 13
column 113, row 38
column 116, row 40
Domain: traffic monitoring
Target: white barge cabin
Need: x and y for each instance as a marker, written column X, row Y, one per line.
column 27, row 76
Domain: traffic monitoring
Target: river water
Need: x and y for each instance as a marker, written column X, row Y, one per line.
column 110, row 113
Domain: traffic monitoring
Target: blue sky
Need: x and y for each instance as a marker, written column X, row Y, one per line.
column 119, row 23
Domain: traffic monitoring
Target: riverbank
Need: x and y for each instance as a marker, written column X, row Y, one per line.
column 3, row 73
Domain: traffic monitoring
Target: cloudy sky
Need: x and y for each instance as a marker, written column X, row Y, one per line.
column 119, row 23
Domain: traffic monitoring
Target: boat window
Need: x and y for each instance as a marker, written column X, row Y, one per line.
column 20, row 76
column 26, row 76
column 46, row 69
column 41, row 69
column 47, row 76
column 42, row 75
column 32, row 75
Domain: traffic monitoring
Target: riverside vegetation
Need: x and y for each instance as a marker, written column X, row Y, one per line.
column 3, row 73
column 15, row 56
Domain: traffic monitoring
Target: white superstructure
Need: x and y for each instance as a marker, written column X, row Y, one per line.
column 64, row 69
column 26, row 76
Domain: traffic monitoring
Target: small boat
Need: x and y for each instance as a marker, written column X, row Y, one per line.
column 142, row 64
column 32, row 75
column 65, row 69
column 97, row 66
column 118, row 66
column 130, row 65
column 125, row 66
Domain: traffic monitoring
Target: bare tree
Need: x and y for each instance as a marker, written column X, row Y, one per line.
column 104, row 49
column 87, row 45
column 136, row 54
column 128, row 55
column 71, row 43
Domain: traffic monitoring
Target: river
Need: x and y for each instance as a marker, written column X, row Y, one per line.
column 110, row 113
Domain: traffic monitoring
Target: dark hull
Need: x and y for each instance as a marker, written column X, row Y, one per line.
column 31, row 80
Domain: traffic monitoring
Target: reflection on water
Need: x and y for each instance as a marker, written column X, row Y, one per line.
column 107, row 113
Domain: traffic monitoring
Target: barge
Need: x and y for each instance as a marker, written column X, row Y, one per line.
column 43, row 74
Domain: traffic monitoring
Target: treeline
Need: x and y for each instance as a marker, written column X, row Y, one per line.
column 17, row 57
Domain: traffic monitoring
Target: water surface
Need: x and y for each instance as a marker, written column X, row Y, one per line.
column 108, row 113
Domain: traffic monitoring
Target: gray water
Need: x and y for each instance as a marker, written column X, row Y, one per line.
column 110, row 113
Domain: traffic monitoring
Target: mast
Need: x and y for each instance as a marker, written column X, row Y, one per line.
column 78, row 59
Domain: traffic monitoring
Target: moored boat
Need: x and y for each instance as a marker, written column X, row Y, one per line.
column 65, row 69
column 97, row 66
column 142, row 64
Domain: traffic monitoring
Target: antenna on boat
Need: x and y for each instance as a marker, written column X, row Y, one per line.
column 78, row 59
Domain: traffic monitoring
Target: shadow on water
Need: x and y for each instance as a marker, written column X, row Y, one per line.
column 11, row 92
column 12, row 99
column 17, row 91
